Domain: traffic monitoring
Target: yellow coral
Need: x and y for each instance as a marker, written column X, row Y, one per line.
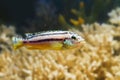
column 77, row 22
column 74, row 11
column 61, row 19
column 81, row 20
column 74, row 22
column 81, row 4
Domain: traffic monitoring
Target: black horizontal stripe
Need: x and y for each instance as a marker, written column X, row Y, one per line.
column 43, row 40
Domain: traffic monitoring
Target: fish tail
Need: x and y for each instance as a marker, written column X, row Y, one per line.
column 17, row 42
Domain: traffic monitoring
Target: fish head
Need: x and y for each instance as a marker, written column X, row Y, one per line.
column 73, row 41
column 75, row 38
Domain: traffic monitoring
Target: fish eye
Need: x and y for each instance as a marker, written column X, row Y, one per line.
column 73, row 37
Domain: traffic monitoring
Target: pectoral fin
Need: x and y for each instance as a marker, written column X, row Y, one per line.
column 56, row 45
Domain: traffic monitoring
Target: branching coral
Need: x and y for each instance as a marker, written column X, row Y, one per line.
column 115, row 16
column 94, row 61
column 6, row 34
column 115, row 20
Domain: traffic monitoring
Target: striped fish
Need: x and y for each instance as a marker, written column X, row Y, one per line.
column 54, row 40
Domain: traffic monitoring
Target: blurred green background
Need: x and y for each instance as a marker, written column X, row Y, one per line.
column 41, row 15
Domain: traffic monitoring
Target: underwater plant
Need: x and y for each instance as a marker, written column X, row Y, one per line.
column 89, row 12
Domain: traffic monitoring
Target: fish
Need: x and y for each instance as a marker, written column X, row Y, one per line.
column 48, row 40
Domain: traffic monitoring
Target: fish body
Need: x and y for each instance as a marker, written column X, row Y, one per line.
column 54, row 40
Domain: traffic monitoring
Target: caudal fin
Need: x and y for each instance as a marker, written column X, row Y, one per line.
column 17, row 42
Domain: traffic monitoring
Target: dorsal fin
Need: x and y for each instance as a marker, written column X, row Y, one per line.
column 49, row 32
column 29, row 35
